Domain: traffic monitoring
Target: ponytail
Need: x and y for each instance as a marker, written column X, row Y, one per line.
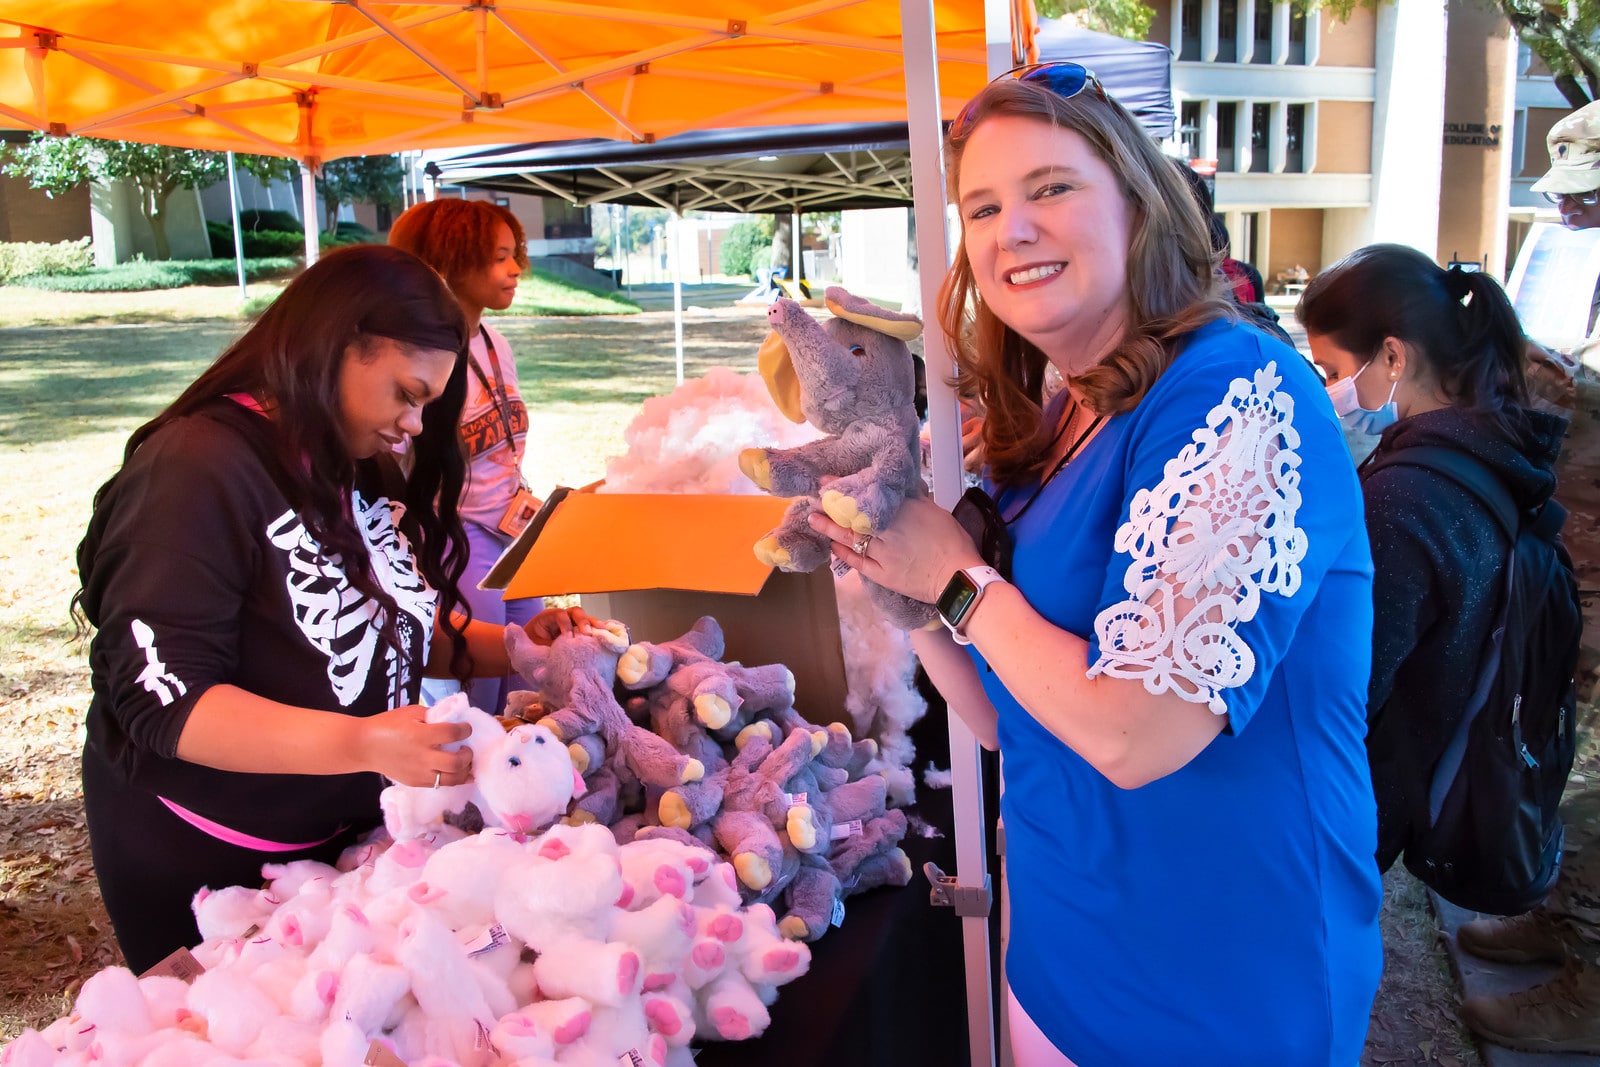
column 1459, row 323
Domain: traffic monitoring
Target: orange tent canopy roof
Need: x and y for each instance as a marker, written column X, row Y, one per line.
column 316, row 79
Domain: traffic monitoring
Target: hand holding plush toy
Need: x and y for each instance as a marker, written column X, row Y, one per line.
column 853, row 378
column 521, row 779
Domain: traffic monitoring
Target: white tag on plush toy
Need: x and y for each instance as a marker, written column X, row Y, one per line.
column 488, row 941
column 481, row 1039
column 837, row 918
column 848, row 829
column 839, row 567
column 795, row 798
column 181, row 965
column 630, row 1058
column 381, row 1055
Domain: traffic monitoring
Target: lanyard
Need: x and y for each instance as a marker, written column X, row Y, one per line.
column 1072, row 450
column 498, row 397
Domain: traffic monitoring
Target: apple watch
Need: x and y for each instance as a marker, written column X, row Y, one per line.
column 961, row 596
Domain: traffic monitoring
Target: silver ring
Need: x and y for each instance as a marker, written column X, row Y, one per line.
column 861, row 544
column 436, row 776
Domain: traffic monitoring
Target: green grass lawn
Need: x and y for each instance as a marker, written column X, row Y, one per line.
column 539, row 294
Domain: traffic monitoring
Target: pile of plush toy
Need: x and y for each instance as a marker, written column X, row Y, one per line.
column 709, row 753
column 492, row 948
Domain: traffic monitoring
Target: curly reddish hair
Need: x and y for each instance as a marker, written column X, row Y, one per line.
column 456, row 237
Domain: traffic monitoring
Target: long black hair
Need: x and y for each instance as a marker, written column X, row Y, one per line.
column 1459, row 322
column 290, row 362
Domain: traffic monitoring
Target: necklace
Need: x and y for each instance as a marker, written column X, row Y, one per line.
column 1066, row 457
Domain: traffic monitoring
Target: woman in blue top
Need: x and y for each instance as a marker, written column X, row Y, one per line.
column 1175, row 670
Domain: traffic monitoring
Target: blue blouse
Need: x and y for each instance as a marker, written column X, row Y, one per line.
column 1209, row 543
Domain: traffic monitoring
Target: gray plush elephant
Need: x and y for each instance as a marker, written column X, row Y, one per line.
column 851, row 377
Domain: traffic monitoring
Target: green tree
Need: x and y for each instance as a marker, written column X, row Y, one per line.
column 59, row 164
column 372, row 180
column 1563, row 36
column 1125, row 18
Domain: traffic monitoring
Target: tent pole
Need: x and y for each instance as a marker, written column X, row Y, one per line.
column 794, row 245
column 308, row 213
column 675, row 258
column 238, row 236
column 972, row 893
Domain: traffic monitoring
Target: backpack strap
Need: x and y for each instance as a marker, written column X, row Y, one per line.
column 1466, row 471
column 1492, row 493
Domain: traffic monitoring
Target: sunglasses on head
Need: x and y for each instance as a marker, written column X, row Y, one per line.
column 1062, row 77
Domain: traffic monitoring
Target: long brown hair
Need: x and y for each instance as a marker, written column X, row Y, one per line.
column 290, row 360
column 1171, row 284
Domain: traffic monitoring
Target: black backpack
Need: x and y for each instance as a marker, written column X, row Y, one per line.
column 1493, row 841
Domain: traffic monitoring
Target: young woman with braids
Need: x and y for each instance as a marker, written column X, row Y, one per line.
column 267, row 591
column 1428, row 358
column 1189, row 821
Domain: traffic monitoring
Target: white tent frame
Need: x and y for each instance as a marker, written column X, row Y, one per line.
column 971, row 894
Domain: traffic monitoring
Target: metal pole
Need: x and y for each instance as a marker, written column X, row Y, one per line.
column 238, row 237
column 308, row 211
column 933, row 257
column 627, row 250
column 675, row 260
column 794, row 246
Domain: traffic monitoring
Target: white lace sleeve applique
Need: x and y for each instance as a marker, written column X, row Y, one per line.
column 1214, row 534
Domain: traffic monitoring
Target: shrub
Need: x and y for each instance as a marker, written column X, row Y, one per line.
column 270, row 220
column 355, row 229
column 744, row 246
column 20, row 258
column 164, row 274
column 258, row 244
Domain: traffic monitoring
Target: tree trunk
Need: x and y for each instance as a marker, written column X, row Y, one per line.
column 1572, row 90
column 154, row 202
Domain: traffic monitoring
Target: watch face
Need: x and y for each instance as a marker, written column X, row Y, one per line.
column 957, row 598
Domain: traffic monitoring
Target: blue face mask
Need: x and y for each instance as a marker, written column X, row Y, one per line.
column 1357, row 419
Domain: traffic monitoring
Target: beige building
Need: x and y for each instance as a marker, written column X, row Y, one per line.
column 1392, row 126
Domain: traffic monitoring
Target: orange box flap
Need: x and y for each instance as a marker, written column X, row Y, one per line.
column 607, row 542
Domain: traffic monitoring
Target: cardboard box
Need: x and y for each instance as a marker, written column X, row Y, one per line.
column 658, row 562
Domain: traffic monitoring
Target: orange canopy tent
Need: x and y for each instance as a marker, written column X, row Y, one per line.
column 318, row 80
column 321, row 79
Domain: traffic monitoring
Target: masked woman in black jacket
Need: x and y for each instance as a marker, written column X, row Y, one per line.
column 1428, row 358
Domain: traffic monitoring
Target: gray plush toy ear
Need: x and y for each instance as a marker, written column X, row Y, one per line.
column 862, row 312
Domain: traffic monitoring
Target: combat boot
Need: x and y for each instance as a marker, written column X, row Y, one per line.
column 1536, row 937
column 1563, row 1015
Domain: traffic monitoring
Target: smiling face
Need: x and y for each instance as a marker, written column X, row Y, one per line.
column 1046, row 231
column 494, row 285
column 383, row 385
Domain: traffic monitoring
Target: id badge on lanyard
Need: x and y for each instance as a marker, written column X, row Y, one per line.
column 524, row 506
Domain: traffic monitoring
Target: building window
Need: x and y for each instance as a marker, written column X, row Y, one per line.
column 1191, row 114
column 1189, row 28
column 1260, row 135
column 502, row 201
column 1297, row 35
column 1228, row 31
column 1294, row 156
column 1262, row 52
column 1227, row 124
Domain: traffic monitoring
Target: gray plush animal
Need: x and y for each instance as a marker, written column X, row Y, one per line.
column 852, row 378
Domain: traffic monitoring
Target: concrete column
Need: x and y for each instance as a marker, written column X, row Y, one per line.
column 1278, row 138
column 1208, row 129
column 1313, row 36
column 1243, row 123
column 1208, row 31
column 1280, row 33
column 1407, row 125
column 1245, row 31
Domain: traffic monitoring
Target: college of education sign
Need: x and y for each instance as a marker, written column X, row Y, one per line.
column 1472, row 133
